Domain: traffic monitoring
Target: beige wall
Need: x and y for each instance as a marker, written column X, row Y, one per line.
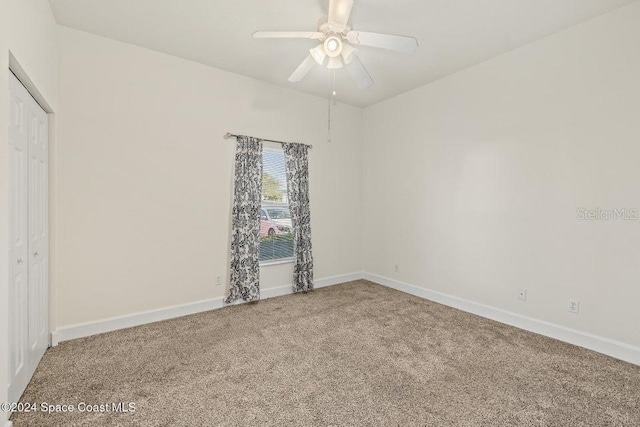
column 145, row 177
column 472, row 183
column 28, row 31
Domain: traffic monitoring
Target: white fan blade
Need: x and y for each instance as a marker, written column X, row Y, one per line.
column 383, row 41
column 359, row 73
column 286, row 35
column 339, row 13
column 303, row 69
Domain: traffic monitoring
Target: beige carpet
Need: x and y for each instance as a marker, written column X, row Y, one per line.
column 352, row 354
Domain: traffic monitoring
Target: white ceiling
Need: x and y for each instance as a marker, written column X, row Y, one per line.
column 453, row 34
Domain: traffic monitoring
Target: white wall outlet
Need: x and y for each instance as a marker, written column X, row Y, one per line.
column 522, row 294
column 218, row 280
column 574, row 306
column 397, row 268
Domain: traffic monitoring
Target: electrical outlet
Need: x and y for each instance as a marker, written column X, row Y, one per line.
column 397, row 268
column 522, row 294
column 574, row 306
column 218, row 280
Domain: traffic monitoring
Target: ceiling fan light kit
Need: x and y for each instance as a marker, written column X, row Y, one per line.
column 318, row 54
column 332, row 46
column 335, row 36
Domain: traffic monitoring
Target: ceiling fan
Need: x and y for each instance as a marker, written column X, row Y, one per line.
column 336, row 39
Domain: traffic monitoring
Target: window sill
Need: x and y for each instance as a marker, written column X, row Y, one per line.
column 277, row 262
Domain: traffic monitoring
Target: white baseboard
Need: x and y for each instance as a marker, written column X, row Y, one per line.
column 607, row 346
column 318, row 283
column 54, row 339
column 121, row 322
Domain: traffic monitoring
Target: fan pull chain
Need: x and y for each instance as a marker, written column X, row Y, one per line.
column 331, row 100
column 329, row 121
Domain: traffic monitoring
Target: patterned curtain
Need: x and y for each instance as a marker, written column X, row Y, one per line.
column 244, row 276
column 297, row 164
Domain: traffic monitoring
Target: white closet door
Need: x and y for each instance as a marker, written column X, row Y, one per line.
column 19, row 276
column 28, row 292
column 38, row 234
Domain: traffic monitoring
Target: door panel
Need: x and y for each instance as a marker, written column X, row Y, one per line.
column 38, row 238
column 19, row 254
column 28, row 297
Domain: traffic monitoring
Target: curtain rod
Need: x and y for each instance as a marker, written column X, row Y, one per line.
column 231, row 135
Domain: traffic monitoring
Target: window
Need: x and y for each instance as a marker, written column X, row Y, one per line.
column 276, row 232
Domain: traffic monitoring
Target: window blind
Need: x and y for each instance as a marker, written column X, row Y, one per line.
column 276, row 231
